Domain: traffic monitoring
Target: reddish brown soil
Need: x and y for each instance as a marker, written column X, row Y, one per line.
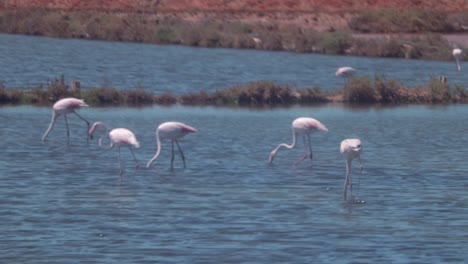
column 320, row 15
column 242, row 5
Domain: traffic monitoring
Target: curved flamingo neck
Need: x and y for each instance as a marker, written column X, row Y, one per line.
column 106, row 135
column 293, row 144
column 158, row 151
column 51, row 125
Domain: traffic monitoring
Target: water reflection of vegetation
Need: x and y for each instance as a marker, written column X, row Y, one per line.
column 356, row 91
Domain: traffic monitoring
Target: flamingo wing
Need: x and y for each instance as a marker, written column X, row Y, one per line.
column 174, row 130
column 123, row 136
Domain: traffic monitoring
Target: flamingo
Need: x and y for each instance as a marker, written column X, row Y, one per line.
column 118, row 137
column 302, row 126
column 172, row 131
column 63, row 107
column 457, row 53
column 350, row 149
column 345, row 72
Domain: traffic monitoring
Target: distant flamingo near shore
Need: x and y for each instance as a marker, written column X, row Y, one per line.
column 118, row 137
column 63, row 107
column 350, row 149
column 345, row 72
column 172, row 131
column 457, row 53
column 302, row 126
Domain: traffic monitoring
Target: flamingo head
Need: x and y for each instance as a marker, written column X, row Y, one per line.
column 352, row 148
column 96, row 126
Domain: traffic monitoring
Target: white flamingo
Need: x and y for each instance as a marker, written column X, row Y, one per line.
column 350, row 149
column 345, row 72
column 118, row 137
column 457, row 53
column 64, row 107
column 172, row 131
column 302, row 126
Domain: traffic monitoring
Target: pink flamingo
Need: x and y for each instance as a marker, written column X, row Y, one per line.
column 63, row 107
column 457, row 53
column 350, row 149
column 118, row 137
column 303, row 126
column 172, row 131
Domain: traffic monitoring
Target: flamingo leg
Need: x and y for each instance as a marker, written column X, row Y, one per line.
column 345, row 187
column 310, row 148
column 87, row 123
column 120, row 164
column 136, row 161
column 68, row 130
column 305, row 153
column 348, row 181
column 172, row 157
column 458, row 64
column 360, row 174
column 181, row 153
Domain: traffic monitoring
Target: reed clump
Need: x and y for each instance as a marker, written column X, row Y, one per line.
column 363, row 90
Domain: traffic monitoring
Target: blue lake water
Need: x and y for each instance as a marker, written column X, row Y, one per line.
column 29, row 61
column 65, row 204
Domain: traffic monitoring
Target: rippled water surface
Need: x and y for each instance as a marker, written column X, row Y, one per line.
column 64, row 204
column 29, row 61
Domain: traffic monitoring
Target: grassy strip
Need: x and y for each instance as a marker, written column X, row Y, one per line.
column 409, row 21
column 359, row 90
column 213, row 33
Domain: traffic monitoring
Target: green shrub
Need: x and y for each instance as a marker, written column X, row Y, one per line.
column 312, row 95
column 439, row 92
column 359, row 90
column 138, row 96
column 165, row 99
column 103, row 96
column 337, row 42
column 166, row 35
column 393, row 21
column 388, row 91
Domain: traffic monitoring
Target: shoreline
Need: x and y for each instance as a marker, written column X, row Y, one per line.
column 320, row 33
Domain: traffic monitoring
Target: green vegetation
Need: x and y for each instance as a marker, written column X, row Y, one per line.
column 358, row 90
column 408, row 21
column 213, row 33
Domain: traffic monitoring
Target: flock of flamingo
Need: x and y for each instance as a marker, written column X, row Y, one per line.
column 350, row 148
column 119, row 136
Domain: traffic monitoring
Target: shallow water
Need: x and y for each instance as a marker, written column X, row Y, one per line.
column 65, row 204
column 29, row 61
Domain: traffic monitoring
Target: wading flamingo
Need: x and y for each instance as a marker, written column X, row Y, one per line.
column 457, row 53
column 118, row 137
column 63, row 107
column 172, row 131
column 350, row 149
column 302, row 126
column 345, row 72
